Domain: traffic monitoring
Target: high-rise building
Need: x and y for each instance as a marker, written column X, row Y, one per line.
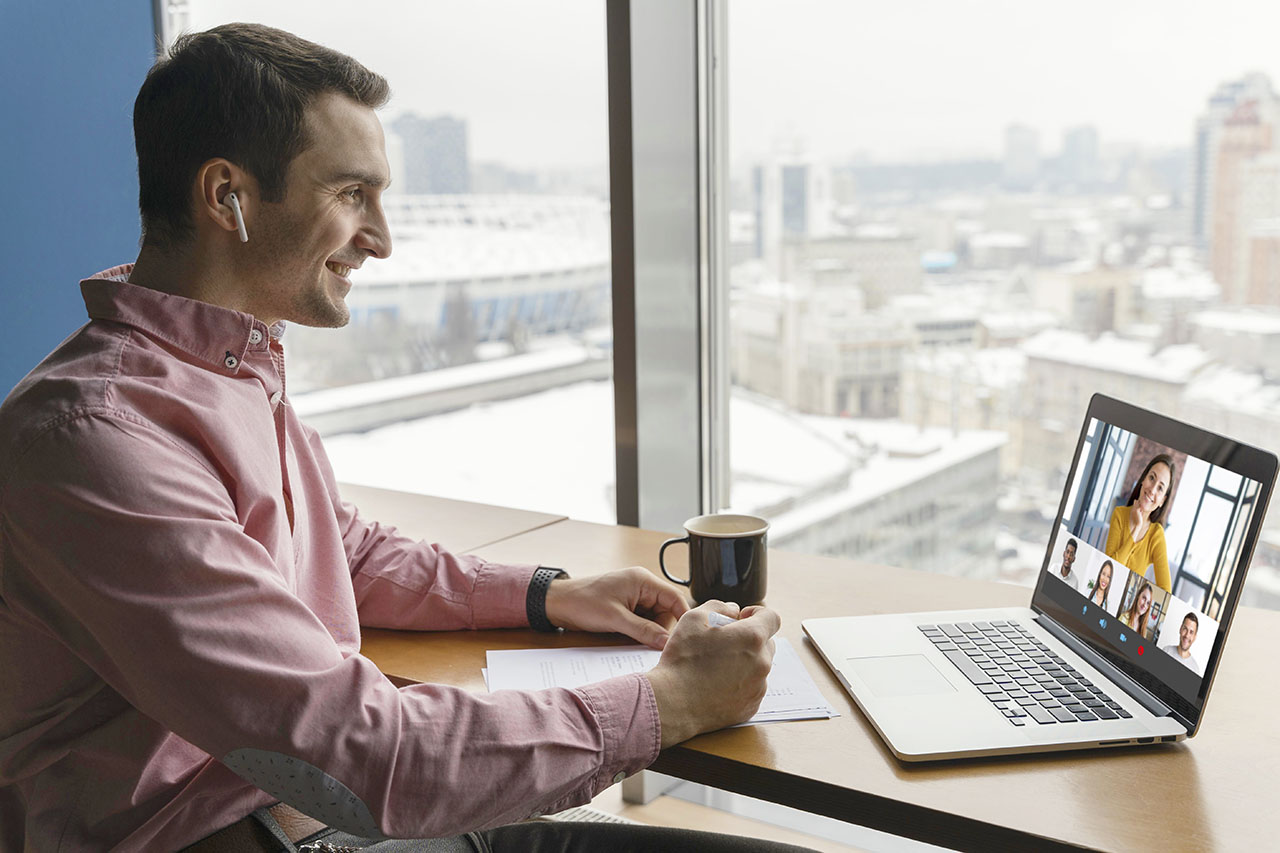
column 791, row 200
column 795, row 199
column 1221, row 105
column 1021, row 157
column 434, row 153
column 1248, row 133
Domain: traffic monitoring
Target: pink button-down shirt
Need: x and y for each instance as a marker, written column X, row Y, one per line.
column 180, row 582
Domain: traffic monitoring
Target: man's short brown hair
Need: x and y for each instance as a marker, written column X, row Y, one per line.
column 238, row 91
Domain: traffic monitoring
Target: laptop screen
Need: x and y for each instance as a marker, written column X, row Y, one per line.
column 1152, row 541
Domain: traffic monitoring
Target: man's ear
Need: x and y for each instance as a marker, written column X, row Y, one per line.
column 215, row 180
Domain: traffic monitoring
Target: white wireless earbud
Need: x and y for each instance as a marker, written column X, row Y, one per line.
column 235, row 211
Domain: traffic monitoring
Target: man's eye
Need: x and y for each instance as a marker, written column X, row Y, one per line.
column 352, row 193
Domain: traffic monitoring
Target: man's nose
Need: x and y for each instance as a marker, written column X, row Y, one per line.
column 375, row 236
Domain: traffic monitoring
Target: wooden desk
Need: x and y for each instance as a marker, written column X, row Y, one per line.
column 1211, row 793
column 462, row 526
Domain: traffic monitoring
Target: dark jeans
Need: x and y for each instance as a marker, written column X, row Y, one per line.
column 566, row 837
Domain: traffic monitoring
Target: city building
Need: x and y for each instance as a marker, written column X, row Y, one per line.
column 1208, row 131
column 1080, row 165
column 791, row 200
column 1066, row 368
column 936, row 323
column 1021, row 157
column 1008, row 328
column 434, row 153
column 1089, row 297
column 961, row 389
column 883, row 259
column 992, row 250
column 1245, row 339
column 1171, row 294
column 816, row 348
column 1235, row 203
column 466, row 271
column 924, row 498
column 1263, row 284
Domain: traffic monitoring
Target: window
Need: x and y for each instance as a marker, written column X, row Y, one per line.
column 478, row 360
column 951, row 224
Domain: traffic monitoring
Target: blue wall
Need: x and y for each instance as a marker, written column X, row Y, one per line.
column 69, row 196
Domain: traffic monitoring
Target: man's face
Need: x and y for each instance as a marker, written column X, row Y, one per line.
column 1186, row 635
column 1068, row 557
column 302, row 249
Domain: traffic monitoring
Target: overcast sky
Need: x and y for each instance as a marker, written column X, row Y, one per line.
column 903, row 80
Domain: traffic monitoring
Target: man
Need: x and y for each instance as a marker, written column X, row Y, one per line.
column 1181, row 650
column 1066, row 573
column 182, row 587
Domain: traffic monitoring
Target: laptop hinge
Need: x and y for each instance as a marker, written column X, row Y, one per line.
column 1133, row 688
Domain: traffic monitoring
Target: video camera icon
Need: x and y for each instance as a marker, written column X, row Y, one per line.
column 1102, row 623
column 1123, row 638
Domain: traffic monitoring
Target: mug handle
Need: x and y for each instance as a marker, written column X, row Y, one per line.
column 663, row 565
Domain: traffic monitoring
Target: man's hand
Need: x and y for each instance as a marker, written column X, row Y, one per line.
column 630, row 601
column 709, row 678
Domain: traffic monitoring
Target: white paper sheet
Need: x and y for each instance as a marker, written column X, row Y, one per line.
column 791, row 694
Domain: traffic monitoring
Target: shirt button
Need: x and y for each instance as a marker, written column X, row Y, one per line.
column 275, row 399
column 255, row 337
column 619, row 776
column 231, row 361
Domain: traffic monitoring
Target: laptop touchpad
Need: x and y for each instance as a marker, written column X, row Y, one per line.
column 900, row 675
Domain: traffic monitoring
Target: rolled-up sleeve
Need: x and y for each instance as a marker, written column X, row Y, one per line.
column 127, row 546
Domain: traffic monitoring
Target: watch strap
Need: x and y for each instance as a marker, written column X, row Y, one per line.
column 535, row 600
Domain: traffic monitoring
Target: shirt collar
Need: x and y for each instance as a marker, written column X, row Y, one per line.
column 209, row 333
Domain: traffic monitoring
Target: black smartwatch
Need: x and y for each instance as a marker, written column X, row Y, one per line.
column 535, row 600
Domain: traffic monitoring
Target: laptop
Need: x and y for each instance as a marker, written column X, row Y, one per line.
column 1115, row 648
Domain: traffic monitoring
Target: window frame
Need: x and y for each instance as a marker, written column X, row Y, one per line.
column 668, row 161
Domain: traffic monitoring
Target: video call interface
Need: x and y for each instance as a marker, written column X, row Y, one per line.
column 1148, row 549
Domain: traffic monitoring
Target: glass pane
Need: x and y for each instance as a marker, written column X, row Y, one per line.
column 942, row 246
column 478, row 360
column 1224, row 480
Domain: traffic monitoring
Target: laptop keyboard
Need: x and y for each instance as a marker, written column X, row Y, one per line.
column 1019, row 675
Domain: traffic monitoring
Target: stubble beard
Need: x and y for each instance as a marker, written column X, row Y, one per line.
column 314, row 308
column 314, row 305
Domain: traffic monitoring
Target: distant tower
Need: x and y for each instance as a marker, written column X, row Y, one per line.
column 434, row 152
column 795, row 200
column 1080, row 156
column 1021, row 157
column 791, row 199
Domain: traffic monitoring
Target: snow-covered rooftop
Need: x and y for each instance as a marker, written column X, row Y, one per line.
column 878, row 231
column 1013, row 324
column 383, row 390
column 901, row 455
column 1243, row 322
column 443, row 238
column 998, row 240
column 1178, row 283
column 554, row 452
column 1173, row 364
column 1238, row 391
column 997, row 367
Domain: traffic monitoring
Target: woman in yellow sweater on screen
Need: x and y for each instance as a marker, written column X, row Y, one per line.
column 1136, row 537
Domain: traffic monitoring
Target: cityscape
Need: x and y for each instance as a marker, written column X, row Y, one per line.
column 912, row 345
